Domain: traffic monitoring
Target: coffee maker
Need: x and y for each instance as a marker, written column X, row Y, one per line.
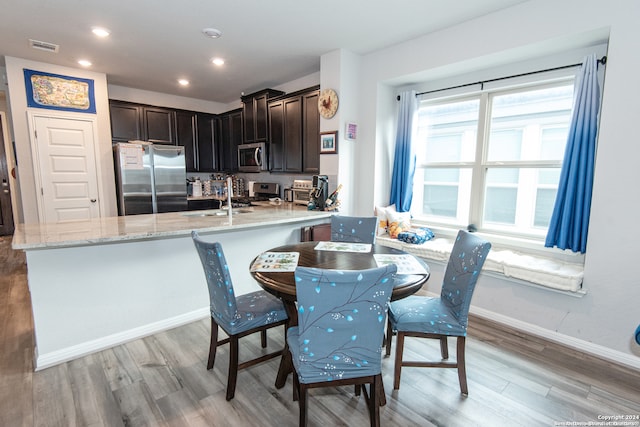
column 320, row 191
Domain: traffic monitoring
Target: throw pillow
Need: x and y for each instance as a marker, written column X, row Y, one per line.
column 416, row 236
column 398, row 222
column 382, row 212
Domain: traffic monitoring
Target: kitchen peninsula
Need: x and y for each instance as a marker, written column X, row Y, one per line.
column 96, row 284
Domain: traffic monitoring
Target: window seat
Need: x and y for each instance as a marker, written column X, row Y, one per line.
column 554, row 274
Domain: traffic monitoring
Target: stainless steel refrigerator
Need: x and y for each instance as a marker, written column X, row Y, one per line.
column 150, row 178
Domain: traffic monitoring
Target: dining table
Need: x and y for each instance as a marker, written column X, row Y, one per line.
column 336, row 256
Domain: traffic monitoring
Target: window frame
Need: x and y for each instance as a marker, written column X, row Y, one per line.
column 480, row 165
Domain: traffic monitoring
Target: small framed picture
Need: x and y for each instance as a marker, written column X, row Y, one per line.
column 329, row 142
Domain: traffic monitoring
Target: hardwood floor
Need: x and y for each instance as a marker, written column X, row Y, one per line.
column 161, row 380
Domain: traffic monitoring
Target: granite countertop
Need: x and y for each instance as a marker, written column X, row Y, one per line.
column 154, row 226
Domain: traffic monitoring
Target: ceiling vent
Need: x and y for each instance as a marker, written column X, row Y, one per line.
column 49, row 47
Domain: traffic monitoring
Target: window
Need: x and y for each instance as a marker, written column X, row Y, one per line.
column 492, row 159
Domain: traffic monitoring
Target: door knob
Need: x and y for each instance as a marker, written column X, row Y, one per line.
column 93, row 200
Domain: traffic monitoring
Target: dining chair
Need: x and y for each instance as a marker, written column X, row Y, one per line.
column 446, row 316
column 338, row 340
column 353, row 229
column 238, row 316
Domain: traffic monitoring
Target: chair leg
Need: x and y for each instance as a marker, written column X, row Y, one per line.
column 388, row 338
column 263, row 338
column 296, row 386
column 462, row 370
column 302, row 404
column 444, row 347
column 357, row 389
column 213, row 345
column 374, row 401
column 233, row 367
column 398, row 364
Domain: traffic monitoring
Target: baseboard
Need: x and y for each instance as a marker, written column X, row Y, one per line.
column 577, row 344
column 47, row 360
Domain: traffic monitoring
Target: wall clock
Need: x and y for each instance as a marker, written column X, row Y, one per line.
column 328, row 103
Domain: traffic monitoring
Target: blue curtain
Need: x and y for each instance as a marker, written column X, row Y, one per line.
column 570, row 219
column 404, row 162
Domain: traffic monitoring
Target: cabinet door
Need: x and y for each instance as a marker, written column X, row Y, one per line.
column 261, row 117
column 311, row 133
column 230, row 126
column 159, row 125
column 187, row 137
column 293, row 134
column 248, row 112
column 206, row 130
column 276, row 136
column 125, row 121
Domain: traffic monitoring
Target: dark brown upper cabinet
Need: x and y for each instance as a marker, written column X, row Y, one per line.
column 130, row 121
column 254, row 115
column 230, row 128
column 294, row 132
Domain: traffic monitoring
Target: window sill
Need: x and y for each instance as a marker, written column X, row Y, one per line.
column 554, row 274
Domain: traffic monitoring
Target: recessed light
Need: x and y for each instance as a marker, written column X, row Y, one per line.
column 212, row 33
column 84, row 63
column 183, row 82
column 217, row 61
column 100, row 32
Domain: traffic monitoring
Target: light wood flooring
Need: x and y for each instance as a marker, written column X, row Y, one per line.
column 161, row 380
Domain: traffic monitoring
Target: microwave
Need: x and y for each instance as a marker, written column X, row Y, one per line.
column 252, row 157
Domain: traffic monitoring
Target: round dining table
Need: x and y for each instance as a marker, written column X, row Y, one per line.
column 282, row 283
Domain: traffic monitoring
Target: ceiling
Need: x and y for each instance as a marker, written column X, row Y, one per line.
column 153, row 43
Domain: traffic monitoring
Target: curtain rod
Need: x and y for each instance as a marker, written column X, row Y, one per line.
column 602, row 61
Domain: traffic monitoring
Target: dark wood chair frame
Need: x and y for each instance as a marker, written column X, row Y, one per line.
column 373, row 398
column 459, row 363
column 232, row 340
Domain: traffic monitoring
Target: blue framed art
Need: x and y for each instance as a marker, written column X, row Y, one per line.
column 58, row 92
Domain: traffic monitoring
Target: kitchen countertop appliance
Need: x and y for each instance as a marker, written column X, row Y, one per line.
column 302, row 189
column 319, row 193
column 150, row 178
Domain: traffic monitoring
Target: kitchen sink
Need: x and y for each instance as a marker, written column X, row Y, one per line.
column 217, row 212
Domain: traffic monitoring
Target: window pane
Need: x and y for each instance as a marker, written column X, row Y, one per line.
column 520, row 198
column 447, row 132
column 530, row 125
column 545, row 200
column 442, row 194
column 440, row 200
column 506, row 144
column 500, row 205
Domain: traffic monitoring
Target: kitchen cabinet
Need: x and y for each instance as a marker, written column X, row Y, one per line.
column 310, row 132
column 294, row 133
column 254, row 115
column 285, row 126
column 186, row 130
column 230, row 126
column 130, row 121
column 207, row 156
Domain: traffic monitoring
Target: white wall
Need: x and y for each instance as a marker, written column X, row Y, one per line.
column 603, row 321
column 18, row 106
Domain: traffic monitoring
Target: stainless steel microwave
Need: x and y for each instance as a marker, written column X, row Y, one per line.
column 252, row 157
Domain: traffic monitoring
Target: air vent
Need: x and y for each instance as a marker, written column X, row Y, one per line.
column 49, row 47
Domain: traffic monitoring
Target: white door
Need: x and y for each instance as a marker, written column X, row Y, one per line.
column 67, row 170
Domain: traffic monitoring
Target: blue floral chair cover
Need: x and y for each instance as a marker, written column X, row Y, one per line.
column 353, row 229
column 444, row 316
column 341, row 318
column 236, row 315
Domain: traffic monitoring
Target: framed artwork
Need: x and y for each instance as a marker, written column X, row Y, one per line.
column 58, row 92
column 329, row 142
column 351, row 130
